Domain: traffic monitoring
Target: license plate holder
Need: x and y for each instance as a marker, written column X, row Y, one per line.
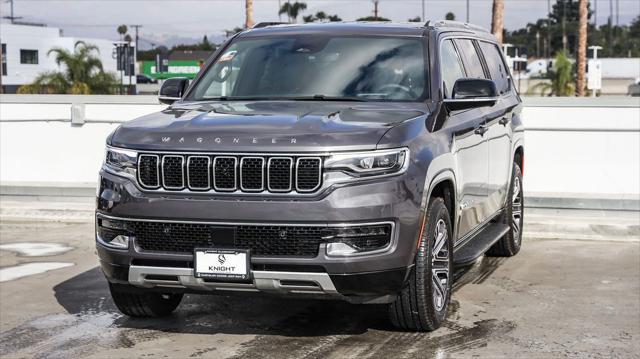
column 223, row 264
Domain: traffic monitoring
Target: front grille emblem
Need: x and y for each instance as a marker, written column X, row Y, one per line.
column 283, row 234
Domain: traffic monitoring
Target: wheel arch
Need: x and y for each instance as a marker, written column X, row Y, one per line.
column 443, row 185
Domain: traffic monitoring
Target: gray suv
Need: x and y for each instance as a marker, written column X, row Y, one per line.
column 355, row 161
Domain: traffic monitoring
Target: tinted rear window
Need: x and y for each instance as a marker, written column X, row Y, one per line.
column 470, row 58
column 497, row 68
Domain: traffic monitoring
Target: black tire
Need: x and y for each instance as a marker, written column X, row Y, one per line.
column 415, row 307
column 510, row 244
column 144, row 305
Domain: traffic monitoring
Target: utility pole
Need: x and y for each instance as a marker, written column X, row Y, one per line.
column 467, row 11
column 423, row 13
column 11, row 17
column 375, row 9
column 564, row 26
column 610, row 27
column 617, row 12
column 548, row 29
column 595, row 13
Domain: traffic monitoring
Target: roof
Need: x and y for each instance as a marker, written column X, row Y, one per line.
column 362, row 28
column 189, row 55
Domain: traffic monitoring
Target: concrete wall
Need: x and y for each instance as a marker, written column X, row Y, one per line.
column 583, row 149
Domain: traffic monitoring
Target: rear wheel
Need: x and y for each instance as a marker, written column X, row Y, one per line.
column 422, row 303
column 510, row 244
column 151, row 304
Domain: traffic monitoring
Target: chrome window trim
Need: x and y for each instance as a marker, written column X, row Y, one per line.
column 319, row 173
column 208, row 173
column 235, row 174
column 163, row 172
column 157, row 171
column 262, row 174
column 291, row 179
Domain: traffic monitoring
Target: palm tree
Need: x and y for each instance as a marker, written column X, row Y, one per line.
column 582, row 46
column 497, row 19
column 561, row 78
column 83, row 73
column 122, row 30
column 292, row 10
column 248, row 11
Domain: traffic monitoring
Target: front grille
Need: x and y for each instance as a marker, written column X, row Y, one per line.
column 261, row 239
column 224, row 173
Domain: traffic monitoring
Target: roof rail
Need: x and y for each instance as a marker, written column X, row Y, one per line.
column 267, row 23
column 455, row 24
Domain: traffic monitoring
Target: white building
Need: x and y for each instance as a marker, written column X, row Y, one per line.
column 25, row 48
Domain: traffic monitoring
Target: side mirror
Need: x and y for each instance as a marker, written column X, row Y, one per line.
column 472, row 93
column 172, row 89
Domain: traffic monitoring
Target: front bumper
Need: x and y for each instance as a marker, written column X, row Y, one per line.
column 365, row 275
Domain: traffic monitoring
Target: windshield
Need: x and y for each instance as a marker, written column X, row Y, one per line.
column 317, row 67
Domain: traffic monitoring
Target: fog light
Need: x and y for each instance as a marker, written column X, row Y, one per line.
column 340, row 249
column 120, row 241
column 357, row 239
column 112, row 233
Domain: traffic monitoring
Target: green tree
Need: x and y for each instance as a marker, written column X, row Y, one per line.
column 321, row 16
column 122, row 30
column 561, row 76
column 373, row 18
column 416, row 19
column 82, row 73
column 450, row 16
column 292, row 10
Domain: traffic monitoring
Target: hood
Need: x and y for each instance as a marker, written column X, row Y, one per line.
column 269, row 126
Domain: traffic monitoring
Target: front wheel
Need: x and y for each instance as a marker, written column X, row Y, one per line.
column 510, row 244
column 146, row 305
column 422, row 303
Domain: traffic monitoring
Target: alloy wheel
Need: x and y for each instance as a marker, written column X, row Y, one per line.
column 440, row 265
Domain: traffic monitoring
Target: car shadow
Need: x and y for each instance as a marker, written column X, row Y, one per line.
column 88, row 294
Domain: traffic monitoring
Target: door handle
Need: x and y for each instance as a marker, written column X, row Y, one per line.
column 504, row 121
column 480, row 130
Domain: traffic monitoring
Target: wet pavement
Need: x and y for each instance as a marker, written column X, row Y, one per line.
column 557, row 298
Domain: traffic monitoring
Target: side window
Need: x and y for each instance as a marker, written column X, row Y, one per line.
column 450, row 67
column 470, row 58
column 497, row 68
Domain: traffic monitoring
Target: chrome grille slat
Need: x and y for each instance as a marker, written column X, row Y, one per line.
column 308, row 174
column 173, row 172
column 234, row 173
column 280, row 174
column 252, row 173
column 199, row 172
column 149, row 171
column 225, row 173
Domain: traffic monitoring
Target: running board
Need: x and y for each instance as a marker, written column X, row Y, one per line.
column 479, row 244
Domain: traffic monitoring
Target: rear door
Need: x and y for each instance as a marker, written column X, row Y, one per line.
column 498, row 124
column 469, row 147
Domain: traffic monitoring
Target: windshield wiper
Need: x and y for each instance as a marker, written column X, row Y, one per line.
column 296, row 98
column 326, row 98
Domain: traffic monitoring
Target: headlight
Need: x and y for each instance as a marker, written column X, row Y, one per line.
column 121, row 161
column 372, row 163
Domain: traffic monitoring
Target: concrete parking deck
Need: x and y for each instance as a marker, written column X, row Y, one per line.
column 557, row 298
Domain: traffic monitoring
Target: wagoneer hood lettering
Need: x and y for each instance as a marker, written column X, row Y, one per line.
column 264, row 126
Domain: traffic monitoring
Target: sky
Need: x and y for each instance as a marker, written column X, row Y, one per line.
column 186, row 21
